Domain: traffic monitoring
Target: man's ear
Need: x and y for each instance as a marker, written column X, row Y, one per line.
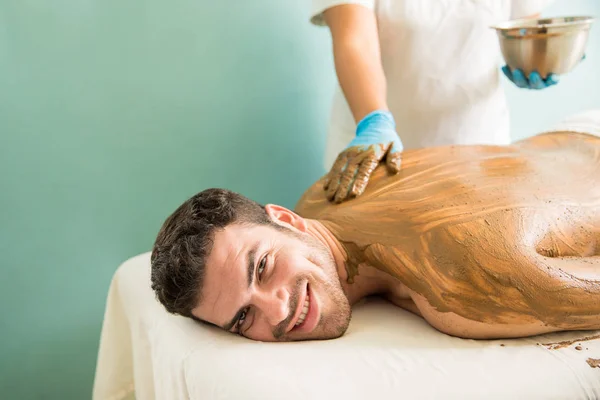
column 284, row 217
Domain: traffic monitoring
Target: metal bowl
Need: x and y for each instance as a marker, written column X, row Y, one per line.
column 550, row 45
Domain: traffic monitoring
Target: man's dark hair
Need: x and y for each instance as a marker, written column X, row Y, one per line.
column 185, row 240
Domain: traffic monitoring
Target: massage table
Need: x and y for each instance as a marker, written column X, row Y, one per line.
column 387, row 353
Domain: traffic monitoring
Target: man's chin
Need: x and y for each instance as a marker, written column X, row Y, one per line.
column 333, row 334
column 315, row 338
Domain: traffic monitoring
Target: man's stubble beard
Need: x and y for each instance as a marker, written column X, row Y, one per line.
column 337, row 320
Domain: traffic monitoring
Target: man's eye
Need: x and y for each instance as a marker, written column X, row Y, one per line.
column 242, row 318
column 262, row 265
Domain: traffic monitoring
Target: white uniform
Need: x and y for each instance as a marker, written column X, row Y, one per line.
column 442, row 63
column 582, row 122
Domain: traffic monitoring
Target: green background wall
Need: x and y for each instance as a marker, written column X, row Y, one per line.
column 112, row 112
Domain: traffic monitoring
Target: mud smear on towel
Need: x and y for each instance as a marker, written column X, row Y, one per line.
column 567, row 343
column 594, row 362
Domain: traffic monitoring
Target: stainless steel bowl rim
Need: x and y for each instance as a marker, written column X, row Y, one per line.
column 576, row 22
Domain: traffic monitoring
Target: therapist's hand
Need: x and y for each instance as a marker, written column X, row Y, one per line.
column 376, row 139
column 533, row 81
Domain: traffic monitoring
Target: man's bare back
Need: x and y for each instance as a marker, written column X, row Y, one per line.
column 485, row 241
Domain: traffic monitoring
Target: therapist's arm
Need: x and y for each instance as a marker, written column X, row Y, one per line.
column 358, row 66
column 357, row 58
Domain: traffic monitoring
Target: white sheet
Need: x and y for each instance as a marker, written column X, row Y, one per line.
column 387, row 353
column 583, row 122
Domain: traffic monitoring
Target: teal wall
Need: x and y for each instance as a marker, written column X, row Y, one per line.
column 113, row 112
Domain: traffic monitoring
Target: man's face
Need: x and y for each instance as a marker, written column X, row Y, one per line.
column 272, row 285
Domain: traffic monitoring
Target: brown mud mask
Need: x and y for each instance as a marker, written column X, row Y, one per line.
column 495, row 234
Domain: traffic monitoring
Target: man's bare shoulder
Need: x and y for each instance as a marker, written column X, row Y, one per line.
column 419, row 167
column 446, row 173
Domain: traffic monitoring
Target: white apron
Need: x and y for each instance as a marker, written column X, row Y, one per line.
column 442, row 63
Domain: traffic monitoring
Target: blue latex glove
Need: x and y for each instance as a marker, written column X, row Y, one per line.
column 376, row 139
column 534, row 81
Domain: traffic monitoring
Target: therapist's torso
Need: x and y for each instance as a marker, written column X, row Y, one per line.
column 441, row 60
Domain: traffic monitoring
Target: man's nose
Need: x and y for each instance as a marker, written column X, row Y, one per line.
column 274, row 304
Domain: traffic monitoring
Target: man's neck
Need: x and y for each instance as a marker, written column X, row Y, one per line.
column 370, row 281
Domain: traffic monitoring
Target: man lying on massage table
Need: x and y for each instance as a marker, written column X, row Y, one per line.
column 481, row 241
